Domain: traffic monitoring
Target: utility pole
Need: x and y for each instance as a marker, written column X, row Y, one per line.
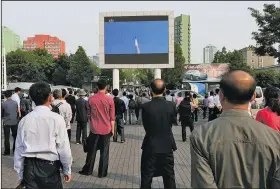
column 3, row 71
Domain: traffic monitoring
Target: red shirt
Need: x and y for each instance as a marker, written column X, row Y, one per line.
column 267, row 117
column 101, row 113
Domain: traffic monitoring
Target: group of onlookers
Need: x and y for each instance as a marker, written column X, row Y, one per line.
column 232, row 150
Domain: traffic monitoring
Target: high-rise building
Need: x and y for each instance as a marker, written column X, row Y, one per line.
column 53, row 45
column 182, row 35
column 10, row 40
column 254, row 60
column 209, row 53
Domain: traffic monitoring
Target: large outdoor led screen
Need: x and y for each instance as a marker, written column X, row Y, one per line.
column 136, row 40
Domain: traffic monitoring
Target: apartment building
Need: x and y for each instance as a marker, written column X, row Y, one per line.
column 10, row 40
column 182, row 35
column 209, row 54
column 254, row 60
column 53, row 45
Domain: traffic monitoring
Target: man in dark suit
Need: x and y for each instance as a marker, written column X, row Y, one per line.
column 81, row 118
column 72, row 101
column 158, row 145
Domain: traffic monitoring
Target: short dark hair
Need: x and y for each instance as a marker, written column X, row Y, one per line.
column 17, row 89
column 272, row 96
column 101, row 84
column 40, row 92
column 124, row 93
column 211, row 93
column 194, row 95
column 64, row 92
column 187, row 93
column 8, row 94
column 75, row 92
column 130, row 96
column 217, row 91
column 179, row 94
column 70, row 92
column 115, row 92
column 236, row 93
column 156, row 89
column 167, row 92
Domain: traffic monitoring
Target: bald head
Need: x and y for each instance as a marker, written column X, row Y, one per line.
column 238, row 87
column 158, row 86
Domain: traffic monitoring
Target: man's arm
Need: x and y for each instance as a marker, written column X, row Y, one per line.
column 18, row 158
column 63, row 147
column 201, row 172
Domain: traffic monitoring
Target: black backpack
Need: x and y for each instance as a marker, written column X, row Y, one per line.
column 132, row 104
column 55, row 107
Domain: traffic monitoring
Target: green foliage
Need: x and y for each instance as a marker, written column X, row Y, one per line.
column 235, row 59
column 80, row 67
column 174, row 76
column 30, row 66
column 269, row 30
column 266, row 78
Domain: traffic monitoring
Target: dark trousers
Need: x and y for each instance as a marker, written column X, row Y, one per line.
column 125, row 114
column 73, row 115
column 154, row 165
column 194, row 114
column 119, row 129
column 7, row 129
column 39, row 173
column 212, row 115
column 69, row 134
column 102, row 143
column 81, row 130
column 186, row 123
column 204, row 112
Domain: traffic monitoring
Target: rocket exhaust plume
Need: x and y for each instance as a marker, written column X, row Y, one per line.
column 136, row 46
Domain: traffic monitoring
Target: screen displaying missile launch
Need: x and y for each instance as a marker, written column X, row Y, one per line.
column 136, row 40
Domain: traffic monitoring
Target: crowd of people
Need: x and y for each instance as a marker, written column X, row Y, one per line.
column 231, row 150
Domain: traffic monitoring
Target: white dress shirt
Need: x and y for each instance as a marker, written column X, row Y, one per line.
column 16, row 98
column 217, row 101
column 65, row 111
column 211, row 102
column 126, row 101
column 42, row 134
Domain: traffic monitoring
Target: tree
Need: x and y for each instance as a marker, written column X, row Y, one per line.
column 235, row 59
column 269, row 30
column 266, row 78
column 80, row 67
column 174, row 76
column 29, row 66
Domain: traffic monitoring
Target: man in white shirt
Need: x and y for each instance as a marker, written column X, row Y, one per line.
column 126, row 101
column 211, row 106
column 217, row 103
column 42, row 146
column 16, row 98
column 64, row 108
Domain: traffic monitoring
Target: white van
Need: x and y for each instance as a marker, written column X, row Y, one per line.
column 259, row 97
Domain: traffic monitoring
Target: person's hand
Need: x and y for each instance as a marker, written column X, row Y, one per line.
column 113, row 133
column 19, row 182
column 67, row 178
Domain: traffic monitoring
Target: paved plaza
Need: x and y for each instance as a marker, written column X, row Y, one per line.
column 124, row 165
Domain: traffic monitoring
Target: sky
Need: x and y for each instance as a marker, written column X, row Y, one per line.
column 152, row 37
column 219, row 23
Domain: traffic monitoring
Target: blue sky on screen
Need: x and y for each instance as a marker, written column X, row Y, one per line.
column 152, row 37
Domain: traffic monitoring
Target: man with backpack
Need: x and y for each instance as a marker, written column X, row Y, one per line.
column 61, row 107
column 119, row 112
column 25, row 105
column 132, row 107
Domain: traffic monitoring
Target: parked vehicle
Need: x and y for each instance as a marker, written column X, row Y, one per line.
column 199, row 96
column 195, row 75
